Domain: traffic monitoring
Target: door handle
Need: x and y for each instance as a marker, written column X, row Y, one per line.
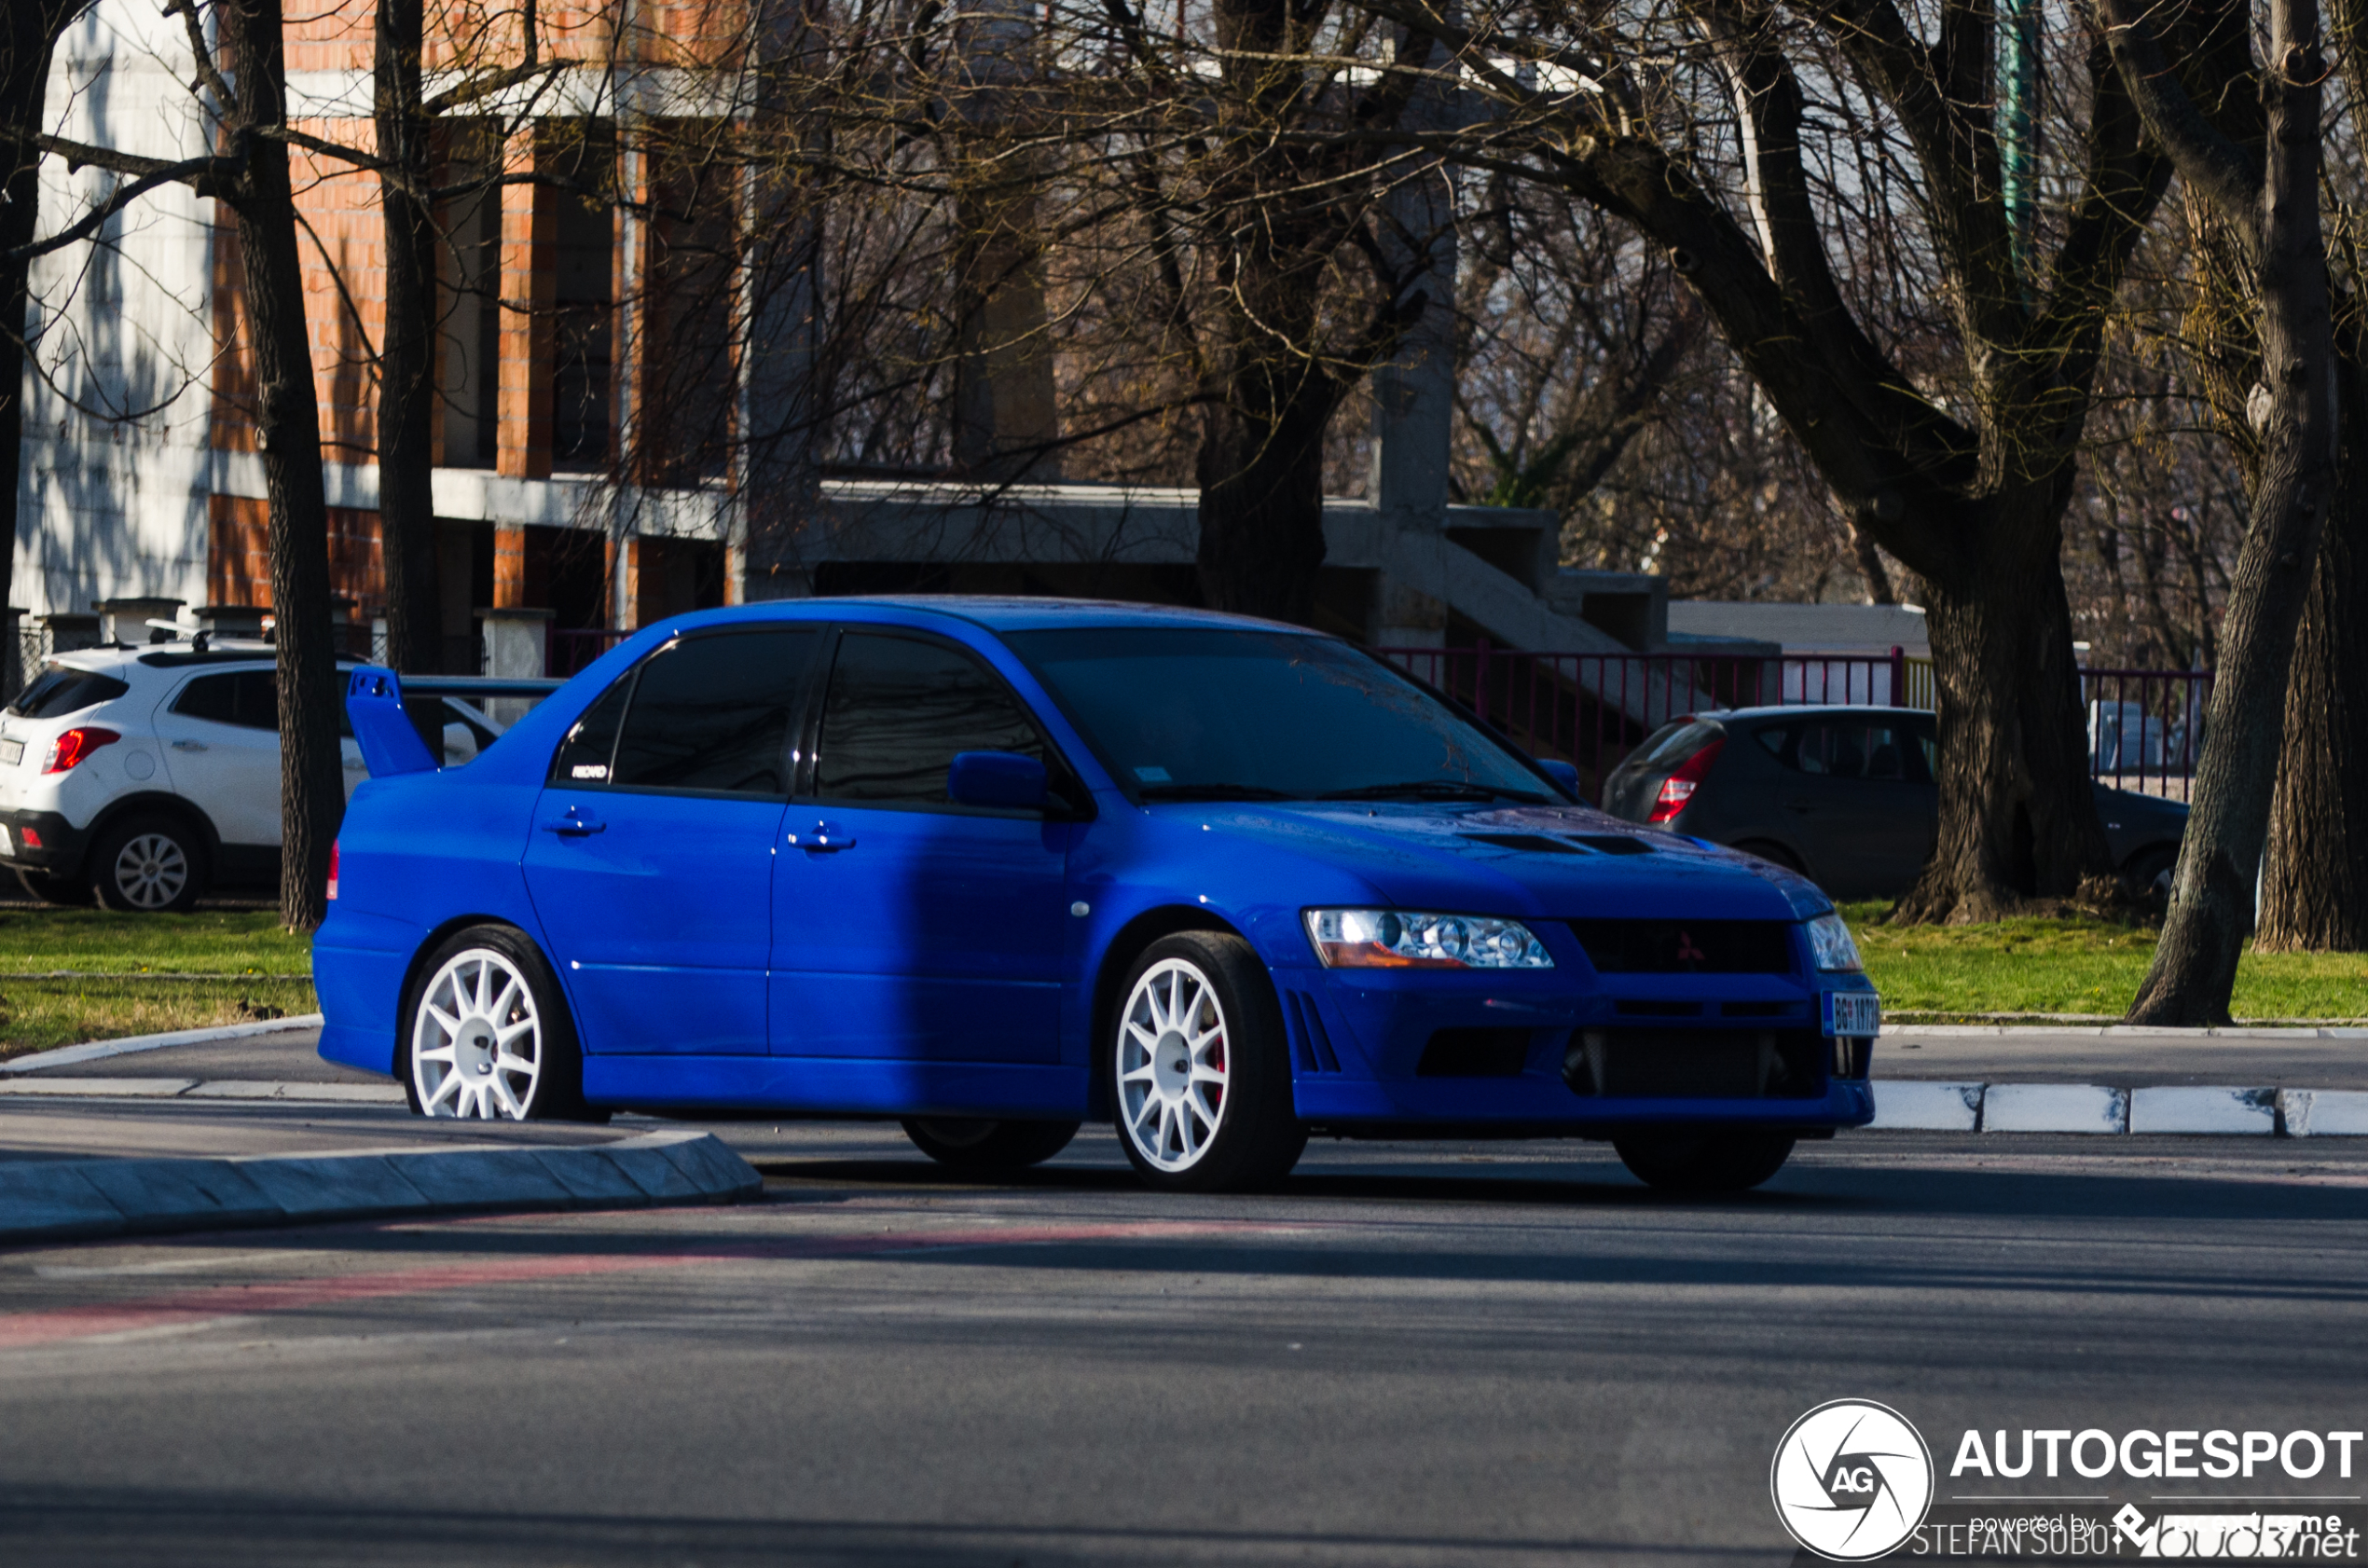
column 822, row 838
column 575, row 824
column 189, row 746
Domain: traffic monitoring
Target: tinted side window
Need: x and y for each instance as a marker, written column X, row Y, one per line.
column 583, row 757
column 60, row 690
column 899, row 709
column 248, row 699
column 713, row 713
column 1849, row 748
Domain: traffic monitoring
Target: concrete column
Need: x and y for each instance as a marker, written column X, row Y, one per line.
column 1414, row 393
column 517, row 642
column 126, row 620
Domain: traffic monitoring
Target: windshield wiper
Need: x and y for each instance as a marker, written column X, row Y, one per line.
column 1211, row 793
column 1432, row 789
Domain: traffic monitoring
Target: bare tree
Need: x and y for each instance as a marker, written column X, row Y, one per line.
column 2268, row 202
column 1952, row 439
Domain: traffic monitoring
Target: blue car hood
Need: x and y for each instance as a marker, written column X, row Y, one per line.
column 1529, row 860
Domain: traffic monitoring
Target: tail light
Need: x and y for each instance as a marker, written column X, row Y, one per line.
column 333, row 868
column 1679, row 787
column 69, row 748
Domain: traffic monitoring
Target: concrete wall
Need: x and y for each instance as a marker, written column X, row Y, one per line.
column 109, row 509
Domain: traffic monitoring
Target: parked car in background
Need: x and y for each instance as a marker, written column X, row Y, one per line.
column 144, row 776
column 1844, row 795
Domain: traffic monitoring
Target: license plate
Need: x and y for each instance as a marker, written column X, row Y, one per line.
column 11, row 752
column 1852, row 1012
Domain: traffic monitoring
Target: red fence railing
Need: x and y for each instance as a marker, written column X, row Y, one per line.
column 2145, row 727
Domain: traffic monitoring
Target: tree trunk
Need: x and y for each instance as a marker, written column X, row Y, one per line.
column 2194, row 969
column 2018, row 817
column 406, row 362
column 1262, row 476
column 312, row 773
column 2314, row 892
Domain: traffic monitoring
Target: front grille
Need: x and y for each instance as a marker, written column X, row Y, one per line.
column 1494, row 1053
column 1687, row 946
column 1694, row 1063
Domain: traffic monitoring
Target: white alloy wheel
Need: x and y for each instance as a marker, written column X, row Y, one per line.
column 476, row 1041
column 150, row 870
column 1172, row 1064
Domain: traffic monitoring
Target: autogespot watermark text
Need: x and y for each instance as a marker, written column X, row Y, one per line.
column 2217, row 1455
column 1854, row 1481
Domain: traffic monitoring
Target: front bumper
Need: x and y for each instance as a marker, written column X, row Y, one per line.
column 1472, row 1055
column 61, row 849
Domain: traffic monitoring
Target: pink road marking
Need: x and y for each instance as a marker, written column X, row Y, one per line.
column 23, row 1330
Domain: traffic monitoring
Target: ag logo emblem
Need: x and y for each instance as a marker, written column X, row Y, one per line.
column 1851, row 1480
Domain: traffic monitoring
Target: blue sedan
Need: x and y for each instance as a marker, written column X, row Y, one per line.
column 993, row 867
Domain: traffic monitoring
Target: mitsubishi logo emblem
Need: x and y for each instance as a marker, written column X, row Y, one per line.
column 1686, row 951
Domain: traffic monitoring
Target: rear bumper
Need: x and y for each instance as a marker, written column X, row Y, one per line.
column 61, row 847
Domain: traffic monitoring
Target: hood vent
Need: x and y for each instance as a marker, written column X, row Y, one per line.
column 1613, row 844
column 1538, row 842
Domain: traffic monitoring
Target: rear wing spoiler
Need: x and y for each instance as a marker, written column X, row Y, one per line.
column 389, row 740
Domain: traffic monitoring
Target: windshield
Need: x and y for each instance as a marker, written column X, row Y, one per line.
column 1195, row 713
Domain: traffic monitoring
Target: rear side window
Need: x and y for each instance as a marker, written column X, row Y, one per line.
column 1672, row 743
column 60, row 690
column 248, row 699
column 1884, row 751
column 713, row 714
column 898, row 711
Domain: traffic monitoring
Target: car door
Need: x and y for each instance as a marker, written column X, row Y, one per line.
column 905, row 926
column 220, row 734
column 651, row 860
column 1861, row 800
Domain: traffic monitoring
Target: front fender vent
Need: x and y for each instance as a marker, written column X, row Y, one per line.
column 1311, row 1046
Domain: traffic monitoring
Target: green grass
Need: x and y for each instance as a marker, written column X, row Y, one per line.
column 254, row 970
column 2078, row 965
column 100, row 942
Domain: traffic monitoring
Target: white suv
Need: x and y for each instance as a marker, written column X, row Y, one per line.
column 142, row 776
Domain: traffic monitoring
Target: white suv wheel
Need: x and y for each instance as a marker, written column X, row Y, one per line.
column 150, row 871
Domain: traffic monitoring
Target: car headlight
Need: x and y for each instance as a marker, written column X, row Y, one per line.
column 1398, row 938
column 1829, row 944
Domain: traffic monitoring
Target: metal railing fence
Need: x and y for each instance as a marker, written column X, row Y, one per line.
column 2145, row 727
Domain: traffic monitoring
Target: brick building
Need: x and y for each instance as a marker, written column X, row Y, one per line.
column 567, row 326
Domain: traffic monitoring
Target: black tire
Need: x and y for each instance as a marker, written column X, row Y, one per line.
column 555, row 1090
column 982, row 1147
column 1257, row 1135
column 148, row 865
column 1774, row 854
column 2147, row 873
column 1704, row 1159
column 66, row 892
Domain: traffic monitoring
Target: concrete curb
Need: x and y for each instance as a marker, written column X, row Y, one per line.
column 1926, row 1106
column 200, row 1089
column 100, row 1050
column 80, row 1199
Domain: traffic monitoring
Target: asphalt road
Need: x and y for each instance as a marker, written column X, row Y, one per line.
column 1466, row 1355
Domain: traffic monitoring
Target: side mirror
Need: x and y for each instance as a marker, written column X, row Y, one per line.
column 998, row 778
column 1560, row 773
